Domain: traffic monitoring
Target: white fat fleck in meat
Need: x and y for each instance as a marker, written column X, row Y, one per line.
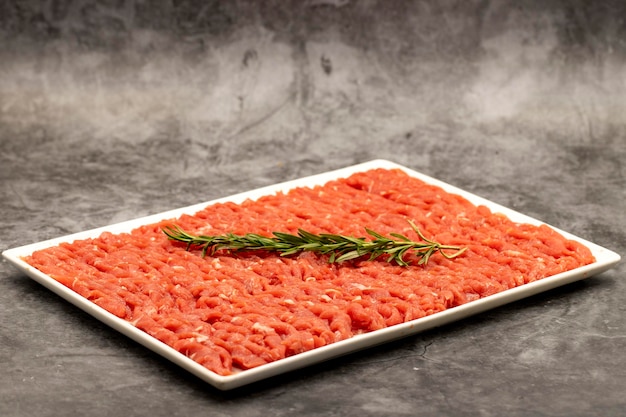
column 326, row 298
column 358, row 286
column 462, row 216
column 333, row 293
column 206, row 230
column 514, row 253
column 261, row 328
column 200, row 338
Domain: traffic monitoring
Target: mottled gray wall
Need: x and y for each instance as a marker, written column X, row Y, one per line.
column 196, row 88
column 356, row 70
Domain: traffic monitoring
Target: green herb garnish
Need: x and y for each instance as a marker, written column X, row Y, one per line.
column 340, row 248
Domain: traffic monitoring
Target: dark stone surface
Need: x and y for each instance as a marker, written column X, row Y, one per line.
column 110, row 110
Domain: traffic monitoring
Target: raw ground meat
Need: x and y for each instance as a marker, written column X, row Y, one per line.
column 241, row 310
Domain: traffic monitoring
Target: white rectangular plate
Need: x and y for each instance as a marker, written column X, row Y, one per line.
column 605, row 259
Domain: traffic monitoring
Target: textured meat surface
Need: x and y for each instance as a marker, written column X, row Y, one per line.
column 238, row 311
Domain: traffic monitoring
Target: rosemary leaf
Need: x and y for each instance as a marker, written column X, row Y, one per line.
column 340, row 248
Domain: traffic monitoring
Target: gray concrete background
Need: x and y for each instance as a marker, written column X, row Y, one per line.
column 111, row 110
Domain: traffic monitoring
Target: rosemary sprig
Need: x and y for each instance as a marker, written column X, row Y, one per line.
column 339, row 247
